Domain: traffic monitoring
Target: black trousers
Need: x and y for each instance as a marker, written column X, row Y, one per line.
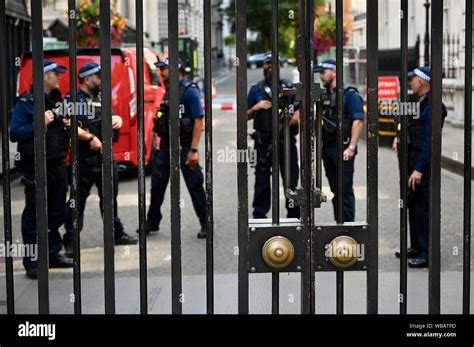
column 90, row 175
column 160, row 176
column 418, row 207
column 56, row 199
column 418, row 218
column 263, row 171
column 330, row 167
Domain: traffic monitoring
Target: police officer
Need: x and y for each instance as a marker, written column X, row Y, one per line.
column 419, row 167
column 191, row 126
column 57, row 142
column 90, row 148
column 259, row 105
column 353, row 118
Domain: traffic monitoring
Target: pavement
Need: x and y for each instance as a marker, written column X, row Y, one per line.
column 452, row 153
column 225, row 253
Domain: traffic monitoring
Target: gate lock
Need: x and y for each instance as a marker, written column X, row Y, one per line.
column 343, row 251
column 278, row 252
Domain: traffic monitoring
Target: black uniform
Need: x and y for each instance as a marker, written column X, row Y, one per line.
column 419, row 160
column 190, row 103
column 90, row 168
column 57, row 142
column 263, row 145
column 352, row 110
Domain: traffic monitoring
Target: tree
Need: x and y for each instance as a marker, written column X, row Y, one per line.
column 325, row 33
column 259, row 21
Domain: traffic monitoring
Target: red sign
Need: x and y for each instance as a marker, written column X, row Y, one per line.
column 389, row 87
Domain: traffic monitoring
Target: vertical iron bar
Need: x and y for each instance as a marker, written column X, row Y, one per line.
column 305, row 67
column 286, row 150
column 372, row 153
column 427, row 33
column 141, row 159
column 7, row 207
column 403, row 157
column 300, row 59
column 209, row 163
column 275, row 118
column 176, row 281
column 40, row 157
column 107, row 172
column 275, row 144
column 467, row 162
column 309, row 22
column 74, row 155
column 435, row 177
column 340, row 123
column 340, row 148
column 242, row 169
column 319, row 145
column 275, row 292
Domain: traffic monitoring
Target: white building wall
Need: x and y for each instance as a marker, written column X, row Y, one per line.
column 389, row 37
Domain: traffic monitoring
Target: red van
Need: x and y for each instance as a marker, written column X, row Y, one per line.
column 124, row 96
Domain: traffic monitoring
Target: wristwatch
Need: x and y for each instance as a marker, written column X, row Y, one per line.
column 193, row 150
column 91, row 138
column 353, row 148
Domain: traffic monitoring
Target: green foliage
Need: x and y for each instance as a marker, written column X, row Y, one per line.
column 259, row 19
column 325, row 33
column 229, row 40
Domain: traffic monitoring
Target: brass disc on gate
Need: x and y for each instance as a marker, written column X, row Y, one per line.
column 278, row 252
column 343, row 251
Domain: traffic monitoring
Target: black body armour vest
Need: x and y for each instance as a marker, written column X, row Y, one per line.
column 329, row 122
column 56, row 138
column 263, row 119
column 416, row 129
column 186, row 121
column 92, row 123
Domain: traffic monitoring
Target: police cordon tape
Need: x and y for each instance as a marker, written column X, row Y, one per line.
column 223, row 103
column 224, row 107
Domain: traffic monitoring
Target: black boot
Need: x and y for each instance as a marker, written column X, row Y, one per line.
column 418, row 263
column 411, row 253
column 149, row 229
column 125, row 239
column 32, row 273
column 68, row 250
column 202, row 234
column 59, row 262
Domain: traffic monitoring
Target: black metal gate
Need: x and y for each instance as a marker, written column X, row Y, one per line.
column 265, row 246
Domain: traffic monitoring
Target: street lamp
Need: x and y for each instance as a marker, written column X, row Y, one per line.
column 427, row 35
